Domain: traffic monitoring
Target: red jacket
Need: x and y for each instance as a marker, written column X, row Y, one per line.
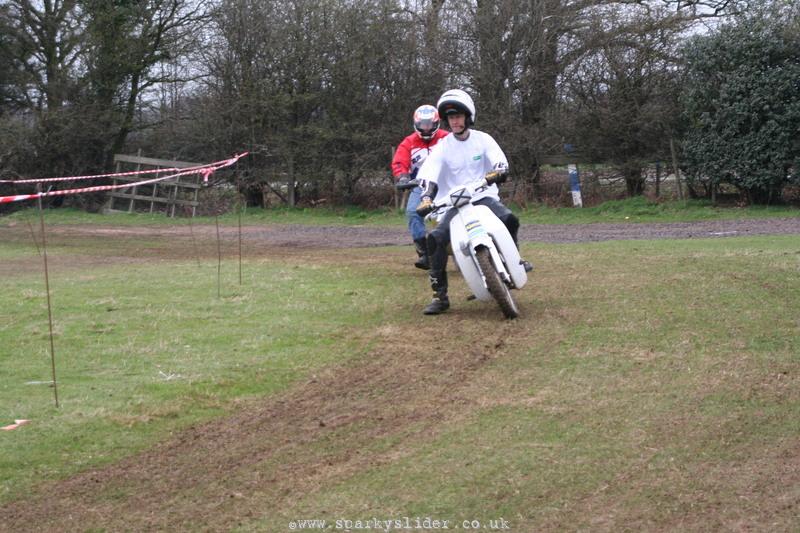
column 411, row 153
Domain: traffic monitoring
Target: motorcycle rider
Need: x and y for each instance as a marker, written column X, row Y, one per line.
column 408, row 158
column 459, row 159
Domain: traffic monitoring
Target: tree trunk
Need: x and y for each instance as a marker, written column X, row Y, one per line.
column 634, row 183
column 290, row 185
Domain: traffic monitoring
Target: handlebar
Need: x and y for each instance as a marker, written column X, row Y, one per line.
column 407, row 185
column 479, row 185
column 476, row 186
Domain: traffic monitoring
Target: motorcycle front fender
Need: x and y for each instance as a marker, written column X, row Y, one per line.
column 475, row 226
column 463, row 253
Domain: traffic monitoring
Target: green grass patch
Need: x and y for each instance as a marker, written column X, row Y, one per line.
column 647, row 384
column 143, row 349
column 638, row 209
column 648, row 374
column 641, row 209
column 319, row 216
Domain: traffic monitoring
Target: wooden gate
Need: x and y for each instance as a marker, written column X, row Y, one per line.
column 164, row 196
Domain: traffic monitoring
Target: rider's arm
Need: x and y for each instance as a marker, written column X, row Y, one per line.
column 426, row 201
column 494, row 154
column 431, row 168
column 497, row 160
column 429, row 190
column 401, row 162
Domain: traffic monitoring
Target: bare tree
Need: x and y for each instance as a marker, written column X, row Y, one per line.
column 46, row 40
column 127, row 42
column 623, row 98
column 516, row 56
column 79, row 70
column 321, row 89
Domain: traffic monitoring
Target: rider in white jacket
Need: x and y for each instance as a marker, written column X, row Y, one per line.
column 455, row 162
column 460, row 158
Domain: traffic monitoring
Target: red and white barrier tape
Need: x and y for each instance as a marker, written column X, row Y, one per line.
column 15, row 425
column 206, row 171
column 112, row 175
column 94, row 176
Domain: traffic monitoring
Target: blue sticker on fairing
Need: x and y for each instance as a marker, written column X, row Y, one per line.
column 474, row 229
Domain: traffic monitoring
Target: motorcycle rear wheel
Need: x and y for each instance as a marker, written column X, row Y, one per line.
column 498, row 289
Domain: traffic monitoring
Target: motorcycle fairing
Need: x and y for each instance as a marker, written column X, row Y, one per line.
column 475, row 226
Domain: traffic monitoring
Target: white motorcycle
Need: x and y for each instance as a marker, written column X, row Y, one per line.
column 483, row 249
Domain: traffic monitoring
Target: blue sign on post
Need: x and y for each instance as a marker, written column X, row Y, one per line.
column 575, row 185
column 574, row 178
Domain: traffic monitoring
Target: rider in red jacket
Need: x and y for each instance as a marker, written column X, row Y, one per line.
column 408, row 157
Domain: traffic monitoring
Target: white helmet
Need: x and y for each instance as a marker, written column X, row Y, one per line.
column 457, row 101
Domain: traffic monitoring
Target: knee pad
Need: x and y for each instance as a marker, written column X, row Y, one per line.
column 431, row 243
column 437, row 250
column 512, row 223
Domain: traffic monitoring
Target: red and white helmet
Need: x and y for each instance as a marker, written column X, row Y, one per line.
column 426, row 121
column 457, row 101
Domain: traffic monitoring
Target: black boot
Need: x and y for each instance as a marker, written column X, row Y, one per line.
column 422, row 251
column 440, row 302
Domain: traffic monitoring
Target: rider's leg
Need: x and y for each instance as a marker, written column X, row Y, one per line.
column 416, row 227
column 437, row 251
column 509, row 219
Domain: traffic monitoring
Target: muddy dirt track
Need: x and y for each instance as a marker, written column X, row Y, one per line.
column 366, row 236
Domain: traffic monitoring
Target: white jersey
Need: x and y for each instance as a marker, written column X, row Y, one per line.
column 453, row 162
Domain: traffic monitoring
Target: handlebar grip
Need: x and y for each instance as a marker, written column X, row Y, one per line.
column 407, row 185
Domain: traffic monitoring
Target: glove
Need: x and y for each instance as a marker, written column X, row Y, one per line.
column 496, row 176
column 425, row 206
column 403, row 182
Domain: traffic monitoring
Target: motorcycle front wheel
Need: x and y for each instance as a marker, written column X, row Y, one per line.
column 497, row 288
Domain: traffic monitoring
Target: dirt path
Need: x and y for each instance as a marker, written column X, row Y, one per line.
column 131, row 244
column 273, row 452
column 365, row 236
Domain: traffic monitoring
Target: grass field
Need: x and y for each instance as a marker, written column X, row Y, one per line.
column 649, row 385
column 631, row 210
